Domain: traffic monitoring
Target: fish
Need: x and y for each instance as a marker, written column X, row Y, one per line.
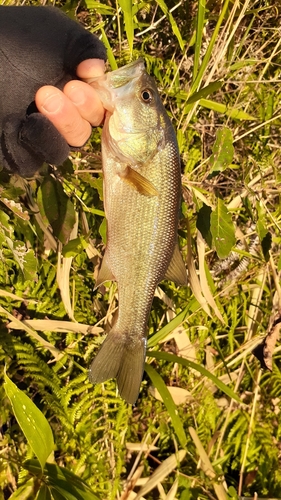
column 142, row 192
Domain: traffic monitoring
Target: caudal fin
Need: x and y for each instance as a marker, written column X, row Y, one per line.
column 121, row 359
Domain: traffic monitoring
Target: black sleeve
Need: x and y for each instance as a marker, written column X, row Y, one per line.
column 38, row 46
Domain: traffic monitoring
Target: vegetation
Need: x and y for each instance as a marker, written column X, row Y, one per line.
column 207, row 423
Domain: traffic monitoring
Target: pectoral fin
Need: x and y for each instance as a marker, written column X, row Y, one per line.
column 176, row 271
column 105, row 274
column 138, row 182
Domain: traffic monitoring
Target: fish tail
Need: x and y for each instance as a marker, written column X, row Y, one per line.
column 121, row 359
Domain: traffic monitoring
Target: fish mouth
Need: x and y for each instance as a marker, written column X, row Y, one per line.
column 110, row 85
column 122, row 76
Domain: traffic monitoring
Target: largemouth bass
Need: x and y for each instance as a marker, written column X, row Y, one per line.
column 142, row 184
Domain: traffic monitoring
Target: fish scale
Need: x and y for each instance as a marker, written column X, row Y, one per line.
column 142, row 181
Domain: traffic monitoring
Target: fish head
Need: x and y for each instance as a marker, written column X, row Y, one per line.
column 136, row 119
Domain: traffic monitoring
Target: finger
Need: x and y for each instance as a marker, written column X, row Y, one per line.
column 90, row 68
column 64, row 115
column 86, row 101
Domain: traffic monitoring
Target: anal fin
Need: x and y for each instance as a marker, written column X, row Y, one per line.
column 105, row 274
column 176, row 271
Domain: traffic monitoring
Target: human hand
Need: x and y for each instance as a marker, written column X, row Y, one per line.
column 77, row 108
column 42, row 54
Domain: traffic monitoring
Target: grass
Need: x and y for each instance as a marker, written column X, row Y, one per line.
column 210, row 428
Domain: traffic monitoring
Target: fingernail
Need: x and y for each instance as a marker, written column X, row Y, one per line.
column 52, row 104
column 77, row 96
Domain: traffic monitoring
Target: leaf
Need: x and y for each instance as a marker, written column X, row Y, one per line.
column 4, row 221
column 162, row 471
column 29, row 266
column 261, row 224
column 223, row 150
column 266, row 246
column 232, row 493
column 74, row 247
column 48, row 208
column 168, row 401
column 16, row 208
column 262, row 230
column 164, row 332
column 236, row 114
column 12, row 296
column 209, row 89
column 203, row 223
column 101, row 8
column 11, row 192
column 63, row 276
column 25, row 259
column 43, row 493
column 63, row 281
column 171, row 495
column 137, row 7
column 60, row 494
column 185, row 348
column 264, row 351
column 192, row 274
column 190, row 364
column 31, row 421
column 24, row 492
column 126, row 6
column 98, row 185
column 179, row 395
column 203, row 277
column 56, row 495
column 62, row 480
column 56, row 208
column 103, row 231
column 22, row 326
column 222, row 230
column 206, row 465
column 49, row 325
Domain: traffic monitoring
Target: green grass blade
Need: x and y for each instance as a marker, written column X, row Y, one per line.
column 243, row 64
column 31, row 421
column 204, row 92
column 209, row 50
column 190, row 364
column 236, row 114
column 199, row 33
column 172, row 21
column 110, row 55
column 168, row 401
column 157, row 337
column 126, row 6
column 100, row 7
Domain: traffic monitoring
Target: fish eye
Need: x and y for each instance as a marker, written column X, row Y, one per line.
column 146, row 96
